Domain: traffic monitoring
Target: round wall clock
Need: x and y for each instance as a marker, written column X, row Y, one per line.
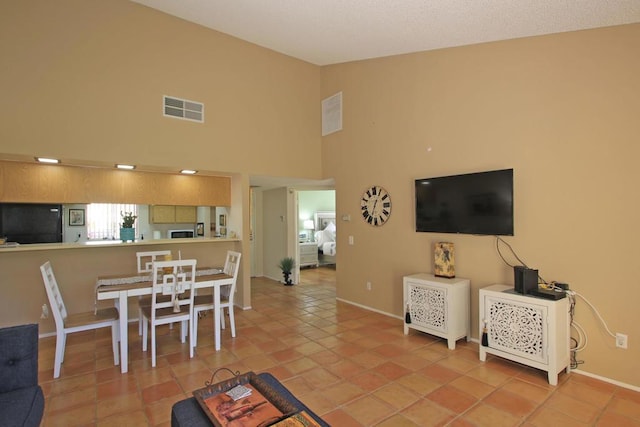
column 376, row 205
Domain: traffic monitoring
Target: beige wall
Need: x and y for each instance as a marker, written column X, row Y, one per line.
column 87, row 78
column 561, row 110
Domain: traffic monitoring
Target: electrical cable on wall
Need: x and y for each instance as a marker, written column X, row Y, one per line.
column 582, row 340
column 597, row 313
column 501, row 240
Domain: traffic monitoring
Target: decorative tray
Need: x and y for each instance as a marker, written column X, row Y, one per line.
column 263, row 407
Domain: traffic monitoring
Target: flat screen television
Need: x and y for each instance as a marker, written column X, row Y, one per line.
column 31, row 222
column 475, row 203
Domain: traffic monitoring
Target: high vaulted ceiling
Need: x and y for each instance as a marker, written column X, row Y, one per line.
column 326, row 32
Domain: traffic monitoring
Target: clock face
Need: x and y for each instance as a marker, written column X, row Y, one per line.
column 376, row 205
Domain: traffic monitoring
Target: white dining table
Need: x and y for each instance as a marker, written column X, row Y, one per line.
column 120, row 287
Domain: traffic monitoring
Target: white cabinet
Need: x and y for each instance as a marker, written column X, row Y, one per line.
column 308, row 254
column 437, row 306
column 526, row 329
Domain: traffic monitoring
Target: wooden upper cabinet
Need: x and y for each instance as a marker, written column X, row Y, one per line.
column 162, row 214
column 186, row 214
column 169, row 214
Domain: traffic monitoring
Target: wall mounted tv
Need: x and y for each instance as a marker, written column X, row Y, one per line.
column 474, row 203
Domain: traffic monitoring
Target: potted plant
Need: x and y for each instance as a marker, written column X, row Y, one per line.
column 127, row 231
column 286, row 265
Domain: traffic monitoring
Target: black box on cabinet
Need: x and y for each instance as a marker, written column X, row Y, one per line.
column 525, row 279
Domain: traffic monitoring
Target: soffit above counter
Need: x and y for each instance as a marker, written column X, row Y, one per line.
column 41, row 183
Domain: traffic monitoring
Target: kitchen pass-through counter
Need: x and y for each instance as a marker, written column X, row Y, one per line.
column 76, row 266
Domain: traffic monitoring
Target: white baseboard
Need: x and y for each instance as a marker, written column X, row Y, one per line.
column 607, row 380
column 369, row 308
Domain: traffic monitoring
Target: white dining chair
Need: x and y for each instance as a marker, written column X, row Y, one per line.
column 144, row 261
column 205, row 302
column 170, row 279
column 70, row 323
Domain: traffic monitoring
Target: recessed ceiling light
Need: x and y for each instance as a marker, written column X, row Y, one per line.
column 127, row 167
column 47, row 160
column 188, row 171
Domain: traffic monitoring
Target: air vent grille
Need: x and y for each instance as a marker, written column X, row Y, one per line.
column 183, row 109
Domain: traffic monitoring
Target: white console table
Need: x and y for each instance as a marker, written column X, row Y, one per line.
column 526, row 329
column 437, row 306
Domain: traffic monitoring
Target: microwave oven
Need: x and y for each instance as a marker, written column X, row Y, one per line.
column 180, row 234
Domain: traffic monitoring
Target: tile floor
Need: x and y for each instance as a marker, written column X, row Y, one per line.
column 351, row 366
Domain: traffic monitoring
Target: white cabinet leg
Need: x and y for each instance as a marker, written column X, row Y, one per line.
column 553, row 378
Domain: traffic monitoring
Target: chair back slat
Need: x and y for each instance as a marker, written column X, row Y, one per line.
column 172, row 278
column 231, row 264
column 232, row 267
column 53, row 294
column 145, row 260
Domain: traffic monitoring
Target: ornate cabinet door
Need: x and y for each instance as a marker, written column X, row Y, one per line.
column 517, row 328
column 428, row 306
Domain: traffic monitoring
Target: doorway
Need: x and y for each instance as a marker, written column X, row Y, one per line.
column 316, row 236
column 278, row 220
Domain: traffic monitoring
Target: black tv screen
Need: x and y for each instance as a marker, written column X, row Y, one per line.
column 31, row 222
column 474, row 203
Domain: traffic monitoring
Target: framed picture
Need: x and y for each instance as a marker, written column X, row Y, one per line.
column 200, row 229
column 76, row 216
column 223, row 220
column 324, row 218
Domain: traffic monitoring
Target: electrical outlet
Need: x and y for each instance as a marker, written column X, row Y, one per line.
column 621, row 341
column 368, row 286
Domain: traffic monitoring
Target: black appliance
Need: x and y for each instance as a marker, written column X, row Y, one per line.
column 31, row 222
column 525, row 279
column 181, row 234
column 475, row 203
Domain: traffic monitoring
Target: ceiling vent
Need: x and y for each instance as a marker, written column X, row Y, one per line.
column 183, row 109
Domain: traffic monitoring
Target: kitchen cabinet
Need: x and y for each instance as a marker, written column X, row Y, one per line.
column 169, row 214
column 186, row 214
column 162, row 214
